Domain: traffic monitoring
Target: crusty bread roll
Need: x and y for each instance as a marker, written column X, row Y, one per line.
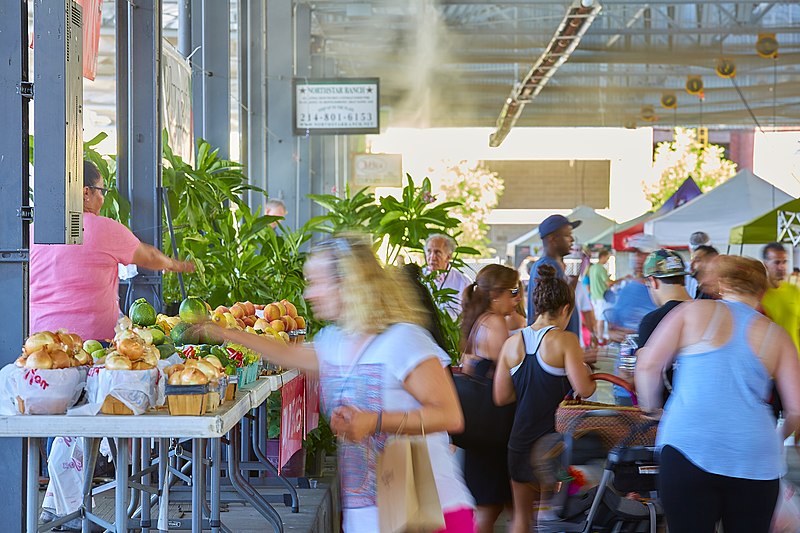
column 131, row 349
column 60, row 359
column 39, row 359
column 117, row 362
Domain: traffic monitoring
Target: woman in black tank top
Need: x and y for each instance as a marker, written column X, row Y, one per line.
column 536, row 368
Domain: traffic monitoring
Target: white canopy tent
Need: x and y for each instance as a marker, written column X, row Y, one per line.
column 737, row 201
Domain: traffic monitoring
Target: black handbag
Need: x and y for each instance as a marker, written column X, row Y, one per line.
column 485, row 424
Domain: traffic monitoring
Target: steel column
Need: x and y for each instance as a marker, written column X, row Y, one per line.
column 281, row 163
column 121, row 56
column 243, row 49
column 185, row 27
column 215, row 50
column 302, row 69
column 196, row 61
column 256, row 150
column 14, row 235
column 144, row 136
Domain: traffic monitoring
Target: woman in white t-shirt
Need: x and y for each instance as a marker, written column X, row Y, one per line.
column 380, row 372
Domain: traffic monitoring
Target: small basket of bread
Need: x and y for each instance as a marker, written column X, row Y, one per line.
column 49, row 376
column 207, row 372
column 128, row 381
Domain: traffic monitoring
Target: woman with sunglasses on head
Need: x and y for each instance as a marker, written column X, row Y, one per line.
column 77, row 286
column 536, row 368
column 380, row 373
column 486, row 303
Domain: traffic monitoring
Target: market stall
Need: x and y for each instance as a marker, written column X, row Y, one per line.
column 731, row 204
column 161, row 382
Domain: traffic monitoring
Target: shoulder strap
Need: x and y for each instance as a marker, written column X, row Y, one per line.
column 766, row 338
column 470, row 345
column 541, row 339
column 713, row 324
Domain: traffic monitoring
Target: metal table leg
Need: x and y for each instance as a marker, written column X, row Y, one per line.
column 120, row 510
column 91, row 447
column 198, row 487
column 216, row 457
column 261, row 455
column 144, row 497
column 32, row 496
column 163, row 464
column 134, row 503
column 244, row 488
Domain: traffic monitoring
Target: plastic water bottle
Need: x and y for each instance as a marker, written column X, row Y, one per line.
column 627, row 354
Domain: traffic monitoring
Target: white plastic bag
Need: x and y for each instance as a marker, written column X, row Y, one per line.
column 65, row 466
column 787, row 511
column 40, row 392
column 139, row 390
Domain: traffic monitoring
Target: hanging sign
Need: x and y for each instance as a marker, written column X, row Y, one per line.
column 292, row 411
column 336, row 106
column 176, row 89
column 377, row 170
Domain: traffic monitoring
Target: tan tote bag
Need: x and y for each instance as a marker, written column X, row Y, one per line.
column 408, row 501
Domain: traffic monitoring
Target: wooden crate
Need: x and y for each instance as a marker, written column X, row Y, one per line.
column 112, row 406
column 230, row 392
column 186, row 404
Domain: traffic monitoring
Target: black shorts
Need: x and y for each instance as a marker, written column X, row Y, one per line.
column 520, row 467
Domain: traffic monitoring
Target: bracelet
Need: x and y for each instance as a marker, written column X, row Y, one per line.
column 379, row 422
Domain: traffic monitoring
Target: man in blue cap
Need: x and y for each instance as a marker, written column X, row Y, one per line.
column 556, row 234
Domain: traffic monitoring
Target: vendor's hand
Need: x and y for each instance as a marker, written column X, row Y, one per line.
column 210, row 331
column 352, row 423
column 180, row 266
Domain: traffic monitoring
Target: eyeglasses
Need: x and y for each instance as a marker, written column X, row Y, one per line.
column 102, row 190
column 514, row 292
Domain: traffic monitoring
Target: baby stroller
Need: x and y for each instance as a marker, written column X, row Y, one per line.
column 624, row 500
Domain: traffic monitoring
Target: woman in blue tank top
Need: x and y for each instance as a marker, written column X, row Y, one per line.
column 536, row 368
column 721, row 453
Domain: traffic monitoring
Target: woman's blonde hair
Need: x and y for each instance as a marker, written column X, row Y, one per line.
column 373, row 297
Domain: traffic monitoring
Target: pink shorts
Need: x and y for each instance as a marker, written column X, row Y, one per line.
column 459, row 521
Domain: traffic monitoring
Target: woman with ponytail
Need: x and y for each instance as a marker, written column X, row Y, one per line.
column 485, row 304
column 536, row 368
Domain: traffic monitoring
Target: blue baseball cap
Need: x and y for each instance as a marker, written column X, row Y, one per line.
column 555, row 223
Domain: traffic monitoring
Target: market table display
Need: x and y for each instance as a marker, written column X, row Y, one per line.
column 152, row 425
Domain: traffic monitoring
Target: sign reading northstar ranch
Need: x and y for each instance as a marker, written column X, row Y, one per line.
column 336, row 106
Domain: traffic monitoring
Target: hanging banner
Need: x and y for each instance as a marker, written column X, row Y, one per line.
column 311, row 403
column 176, row 88
column 377, row 170
column 336, row 106
column 292, row 410
column 92, row 17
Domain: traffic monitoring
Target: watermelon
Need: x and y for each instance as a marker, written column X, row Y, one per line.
column 193, row 310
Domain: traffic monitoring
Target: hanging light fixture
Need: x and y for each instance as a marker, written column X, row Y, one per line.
column 579, row 17
column 726, row 68
column 669, row 101
column 767, row 46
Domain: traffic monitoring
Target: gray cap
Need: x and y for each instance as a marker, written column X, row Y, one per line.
column 699, row 238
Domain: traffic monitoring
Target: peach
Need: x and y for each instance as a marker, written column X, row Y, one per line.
column 301, row 322
column 249, row 308
column 289, row 323
column 221, row 309
column 277, row 325
column 259, row 307
column 291, row 310
column 240, row 323
column 238, row 311
column 261, row 324
column 272, row 312
column 249, row 320
column 281, row 308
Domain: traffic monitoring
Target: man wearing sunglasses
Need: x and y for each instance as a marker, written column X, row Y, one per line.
column 77, row 286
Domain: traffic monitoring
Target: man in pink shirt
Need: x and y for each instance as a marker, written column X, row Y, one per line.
column 77, row 286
